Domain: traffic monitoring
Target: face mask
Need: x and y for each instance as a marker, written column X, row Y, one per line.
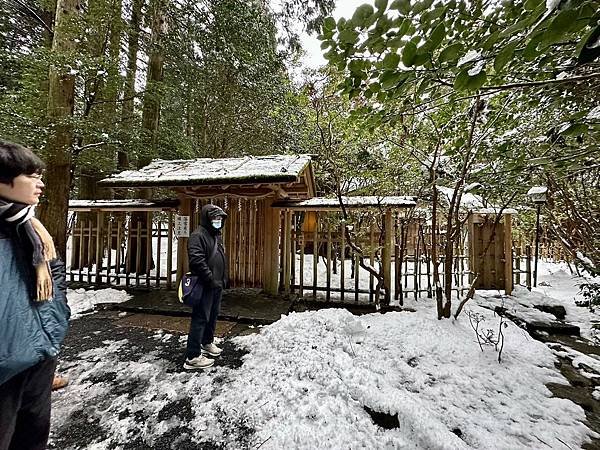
column 216, row 223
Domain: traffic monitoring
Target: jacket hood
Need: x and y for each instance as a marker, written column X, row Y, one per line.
column 208, row 213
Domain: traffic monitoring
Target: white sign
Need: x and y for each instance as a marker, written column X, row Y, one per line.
column 182, row 226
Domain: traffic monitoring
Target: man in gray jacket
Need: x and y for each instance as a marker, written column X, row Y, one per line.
column 206, row 260
column 33, row 310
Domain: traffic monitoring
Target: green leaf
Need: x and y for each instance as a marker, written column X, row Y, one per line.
column 477, row 81
column 562, row 23
column 409, row 53
column 362, row 14
column 437, row 12
column 462, row 80
column 531, row 5
column 575, row 129
column 395, row 42
column 405, row 28
column 381, row 4
column 326, row 44
column 421, row 59
column 401, row 5
column 531, row 49
column 348, row 36
column 421, row 6
column 490, row 40
column 504, row 56
column 391, row 61
column 390, row 79
column 451, row 52
column 436, row 38
column 329, row 23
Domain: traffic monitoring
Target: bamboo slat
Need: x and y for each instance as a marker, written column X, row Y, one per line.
column 170, row 251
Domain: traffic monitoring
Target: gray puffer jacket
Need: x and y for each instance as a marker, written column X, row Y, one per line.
column 30, row 331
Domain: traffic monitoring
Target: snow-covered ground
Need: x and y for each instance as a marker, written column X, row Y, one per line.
column 82, row 301
column 313, row 379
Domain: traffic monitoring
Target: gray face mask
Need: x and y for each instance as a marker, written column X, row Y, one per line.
column 216, row 223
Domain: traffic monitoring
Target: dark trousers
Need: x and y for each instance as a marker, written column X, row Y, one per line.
column 204, row 321
column 25, row 408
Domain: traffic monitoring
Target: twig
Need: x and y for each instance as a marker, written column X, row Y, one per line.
column 263, row 442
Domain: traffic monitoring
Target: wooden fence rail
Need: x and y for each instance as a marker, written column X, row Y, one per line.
column 112, row 248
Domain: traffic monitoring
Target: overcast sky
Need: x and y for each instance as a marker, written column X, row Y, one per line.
column 314, row 54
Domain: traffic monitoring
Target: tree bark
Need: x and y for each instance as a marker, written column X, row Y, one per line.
column 150, row 119
column 61, row 100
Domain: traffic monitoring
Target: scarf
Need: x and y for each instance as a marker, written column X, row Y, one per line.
column 21, row 217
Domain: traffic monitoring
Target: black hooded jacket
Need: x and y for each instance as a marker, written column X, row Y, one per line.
column 212, row 271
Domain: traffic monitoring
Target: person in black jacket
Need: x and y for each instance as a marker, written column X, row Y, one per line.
column 207, row 260
column 33, row 310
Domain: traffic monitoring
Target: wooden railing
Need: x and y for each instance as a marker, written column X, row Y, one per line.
column 112, row 249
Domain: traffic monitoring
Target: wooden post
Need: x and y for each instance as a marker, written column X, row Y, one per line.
column 518, row 263
column 80, row 250
column 343, row 261
column 508, row 270
column 99, row 249
column 287, row 250
column 138, row 253
column 387, row 255
column 315, row 254
column 73, row 248
column 328, row 292
column 528, row 266
column 170, row 251
column 185, row 209
column 89, row 250
column 356, row 276
column 109, row 253
column 128, row 240
column 118, row 255
column 271, row 255
column 148, row 246
column 372, row 261
column 472, row 246
column 158, row 239
column 301, row 281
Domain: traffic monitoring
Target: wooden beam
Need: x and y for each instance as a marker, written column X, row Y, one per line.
column 387, row 254
column 185, row 209
column 271, row 249
column 508, row 272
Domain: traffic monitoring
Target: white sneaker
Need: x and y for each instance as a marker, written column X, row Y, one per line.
column 212, row 350
column 199, row 362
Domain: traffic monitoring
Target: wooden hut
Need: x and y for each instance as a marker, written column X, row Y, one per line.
column 246, row 188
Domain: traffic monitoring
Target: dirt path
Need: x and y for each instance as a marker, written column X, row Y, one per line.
column 78, row 417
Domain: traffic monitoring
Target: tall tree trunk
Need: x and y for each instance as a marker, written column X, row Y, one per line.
column 61, row 100
column 128, row 107
column 150, row 118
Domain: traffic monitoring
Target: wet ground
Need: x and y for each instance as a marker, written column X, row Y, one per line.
column 83, row 430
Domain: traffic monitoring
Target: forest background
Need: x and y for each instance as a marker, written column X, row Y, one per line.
column 418, row 98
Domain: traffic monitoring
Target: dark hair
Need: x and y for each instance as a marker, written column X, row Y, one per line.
column 17, row 160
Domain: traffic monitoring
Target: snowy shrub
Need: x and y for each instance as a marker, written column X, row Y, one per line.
column 591, row 293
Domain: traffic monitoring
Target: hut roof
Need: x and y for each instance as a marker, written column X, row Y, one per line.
column 209, row 171
column 350, row 202
column 123, row 205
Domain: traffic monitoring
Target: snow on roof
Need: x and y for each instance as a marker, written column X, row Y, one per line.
column 535, row 190
column 126, row 204
column 494, row 211
column 351, row 202
column 207, row 171
column 467, row 200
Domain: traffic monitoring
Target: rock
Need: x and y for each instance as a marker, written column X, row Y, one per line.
column 557, row 311
column 553, row 328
